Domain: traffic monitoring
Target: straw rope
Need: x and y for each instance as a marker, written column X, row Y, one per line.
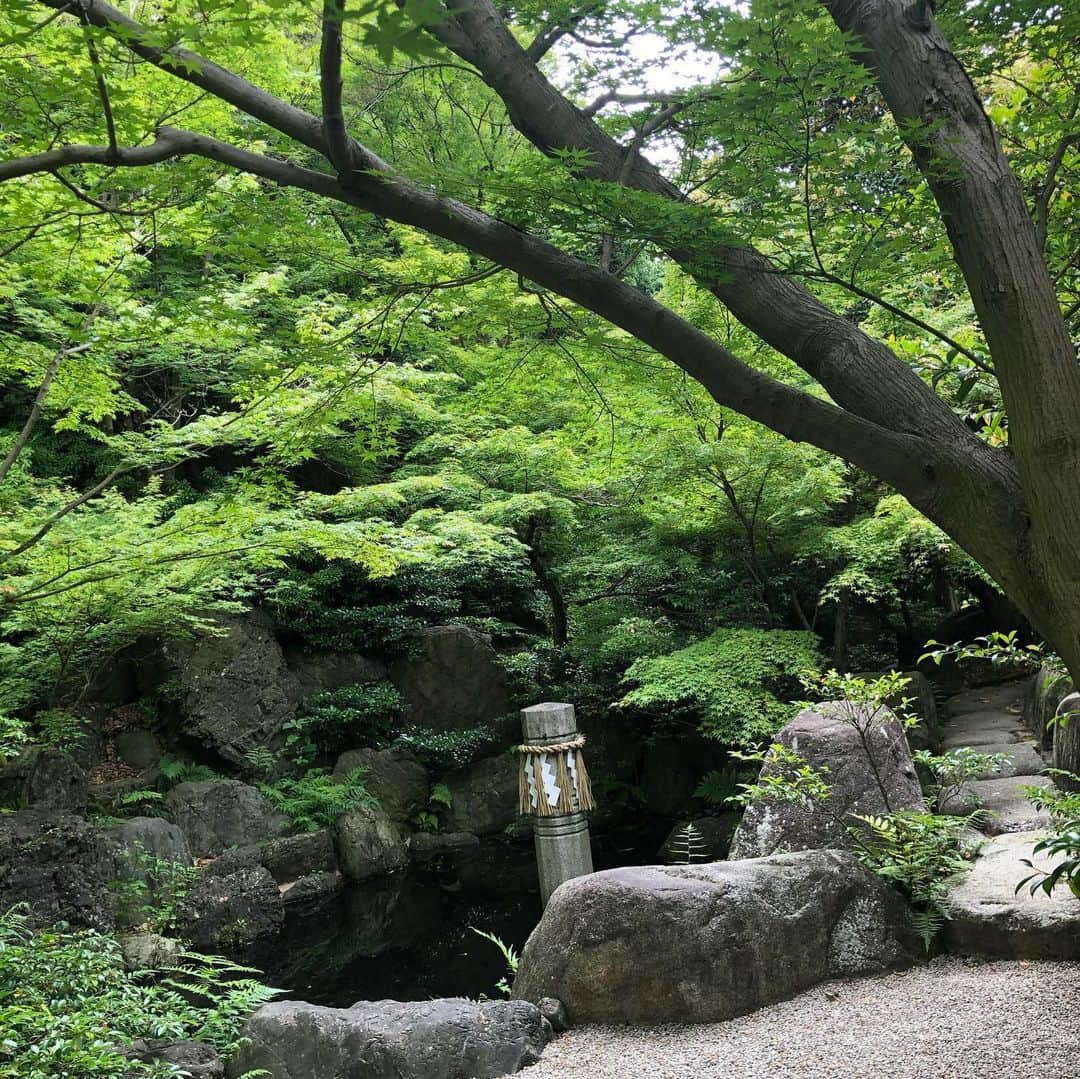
column 570, row 801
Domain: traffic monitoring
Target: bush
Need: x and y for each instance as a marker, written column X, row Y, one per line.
column 735, row 682
column 341, row 719
column 68, row 1007
column 443, row 751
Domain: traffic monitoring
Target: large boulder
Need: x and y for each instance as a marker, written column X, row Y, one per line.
column 194, row 1060
column 237, row 690
column 43, row 777
column 369, row 844
column 295, row 856
column 698, row 944
column 484, row 796
column 216, row 814
column 232, row 910
column 151, row 837
column 149, row 864
column 397, row 780
column 456, row 682
column 53, row 862
column 989, row 917
column 872, row 778
column 317, row 672
column 431, row 1039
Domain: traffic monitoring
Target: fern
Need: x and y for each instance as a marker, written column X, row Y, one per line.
column 688, row 845
column 316, row 800
column 174, row 771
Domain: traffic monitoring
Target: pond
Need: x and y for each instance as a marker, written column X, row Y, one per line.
column 409, row 937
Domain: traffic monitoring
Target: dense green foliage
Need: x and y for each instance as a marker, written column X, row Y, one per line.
column 69, row 1006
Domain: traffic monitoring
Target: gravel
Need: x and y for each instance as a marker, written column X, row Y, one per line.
column 952, row 1019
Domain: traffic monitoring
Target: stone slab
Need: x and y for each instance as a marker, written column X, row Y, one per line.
column 1005, row 806
column 989, row 918
column 988, row 698
column 1024, row 760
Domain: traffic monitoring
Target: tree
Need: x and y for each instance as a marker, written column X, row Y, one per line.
column 1015, row 509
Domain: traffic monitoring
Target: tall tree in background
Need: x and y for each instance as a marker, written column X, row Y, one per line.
column 1015, row 508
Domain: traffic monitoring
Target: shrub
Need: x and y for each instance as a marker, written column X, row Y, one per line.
column 1063, row 839
column 316, row 800
column 443, row 751
column 735, row 682
column 68, row 1007
column 953, row 770
column 346, row 718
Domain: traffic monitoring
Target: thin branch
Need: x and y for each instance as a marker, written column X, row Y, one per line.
column 38, row 406
column 99, row 76
column 1046, row 192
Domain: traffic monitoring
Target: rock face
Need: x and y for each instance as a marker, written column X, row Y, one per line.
column 926, row 734
column 149, row 951
column 857, row 786
column 432, row 1039
column 297, row 856
column 43, row 777
column 237, row 688
column 370, row 844
column 54, row 862
column 232, row 910
column 456, row 683
column 192, row 1059
column 696, row 944
column 713, row 842
column 219, row 813
column 484, row 797
column 988, row 917
column 394, row 776
column 138, row 749
column 154, row 836
column 316, row 672
column 1046, row 690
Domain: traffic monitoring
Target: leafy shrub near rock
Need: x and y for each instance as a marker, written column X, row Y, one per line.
column 340, row 719
column 68, row 1006
column 317, row 799
column 735, row 682
column 444, row 751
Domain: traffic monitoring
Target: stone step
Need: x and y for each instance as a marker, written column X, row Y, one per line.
column 987, row 698
column 1024, row 759
column 989, row 918
column 978, row 737
column 1005, row 807
column 971, row 721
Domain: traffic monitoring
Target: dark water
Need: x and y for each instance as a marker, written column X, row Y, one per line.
column 407, row 936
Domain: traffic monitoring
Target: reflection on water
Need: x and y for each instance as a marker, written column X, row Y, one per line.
column 407, row 936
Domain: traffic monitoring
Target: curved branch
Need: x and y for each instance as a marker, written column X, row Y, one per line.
column 339, row 145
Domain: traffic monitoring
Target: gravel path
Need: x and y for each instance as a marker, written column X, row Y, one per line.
column 952, row 1019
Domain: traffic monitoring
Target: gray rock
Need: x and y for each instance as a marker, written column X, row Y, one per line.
column 827, row 742
column 698, row 944
column 555, row 1013
column 976, row 738
column 1023, row 759
column 317, row 672
column 312, row 890
column 457, row 681
column 296, row 856
column 149, row 951
column 1005, row 807
column 989, row 699
column 428, row 845
column 138, row 748
column 44, row 777
column 484, row 797
column 988, row 916
column 54, row 862
column 233, row 910
column 394, row 776
column 237, row 688
column 715, row 834
column 431, row 1039
column 369, row 844
column 1046, row 690
column 219, row 813
column 195, row 1060
column 921, row 706
column 153, row 836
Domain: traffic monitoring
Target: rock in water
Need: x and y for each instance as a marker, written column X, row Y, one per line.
column 431, row 1039
column 369, row 844
column 396, row 779
column 856, row 781
column 484, row 796
column 989, row 917
column 698, row 944
column 232, row 910
column 216, row 814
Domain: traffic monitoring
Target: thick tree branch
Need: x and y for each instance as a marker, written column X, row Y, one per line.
column 339, row 145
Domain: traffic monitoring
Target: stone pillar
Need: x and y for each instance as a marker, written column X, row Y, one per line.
column 560, row 827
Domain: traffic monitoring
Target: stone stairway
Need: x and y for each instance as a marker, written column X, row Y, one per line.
column 988, row 917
